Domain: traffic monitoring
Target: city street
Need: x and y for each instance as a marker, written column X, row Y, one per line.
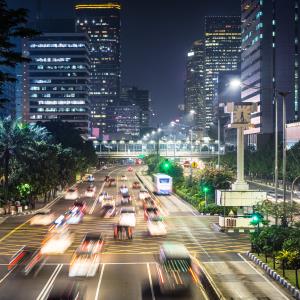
column 128, row 268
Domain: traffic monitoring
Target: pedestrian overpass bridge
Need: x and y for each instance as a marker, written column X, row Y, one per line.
column 170, row 149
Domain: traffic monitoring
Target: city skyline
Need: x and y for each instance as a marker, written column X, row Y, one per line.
column 143, row 52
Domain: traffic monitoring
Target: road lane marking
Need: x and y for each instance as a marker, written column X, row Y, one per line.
column 49, row 283
column 267, row 280
column 99, row 282
column 14, row 230
column 150, row 281
column 4, row 277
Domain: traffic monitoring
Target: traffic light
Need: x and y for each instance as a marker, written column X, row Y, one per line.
column 256, row 218
column 166, row 165
column 205, row 189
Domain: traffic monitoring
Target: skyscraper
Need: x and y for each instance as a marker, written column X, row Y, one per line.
column 222, row 53
column 194, row 94
column 101, row 22
column 56, row 80
column 140, row 98
column 270, row 61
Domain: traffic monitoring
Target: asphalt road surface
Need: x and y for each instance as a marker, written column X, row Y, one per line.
column 128, row 268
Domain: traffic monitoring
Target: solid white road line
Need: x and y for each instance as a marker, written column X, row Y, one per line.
column 3, row 278
column 49, row 283
column 150, row 281
column 268, row 281
column 99, row 282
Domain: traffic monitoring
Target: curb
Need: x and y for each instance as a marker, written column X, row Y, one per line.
column 270, row 272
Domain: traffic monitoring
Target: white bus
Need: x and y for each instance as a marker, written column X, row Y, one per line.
column 162, row 184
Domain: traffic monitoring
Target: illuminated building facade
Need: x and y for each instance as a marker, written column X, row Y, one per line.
column 102, row 24
column 270, row 61
column 222, row 53
column 56, row 81
column 194, row 93
column 141, row 99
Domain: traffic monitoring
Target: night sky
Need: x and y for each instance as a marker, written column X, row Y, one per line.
column 155, row 37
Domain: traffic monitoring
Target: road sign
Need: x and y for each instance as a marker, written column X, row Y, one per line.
column 194, row 165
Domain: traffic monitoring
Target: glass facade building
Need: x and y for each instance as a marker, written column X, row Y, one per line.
column 141, row 99
column 222, row 53
column 194, row 92
column 270, row 61
column 56, row 80
column 101, row 22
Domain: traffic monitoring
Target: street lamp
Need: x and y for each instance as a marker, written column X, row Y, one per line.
column 284, row 95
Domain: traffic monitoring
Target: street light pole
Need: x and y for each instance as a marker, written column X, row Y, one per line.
column 276, row 153
column 284, row 95
column 192, row 112
column 219, row 143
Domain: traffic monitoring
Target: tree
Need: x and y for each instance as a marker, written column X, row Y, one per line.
column 210, row 179
column 12, row 25
column 65, row 134
column 17, row 141
column 283, row 257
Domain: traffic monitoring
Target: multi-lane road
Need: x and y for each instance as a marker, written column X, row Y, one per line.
column 128, row 269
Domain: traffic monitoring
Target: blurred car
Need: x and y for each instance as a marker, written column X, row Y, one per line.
column 111, row 211
column 127, row 216
column 57, row 241
column 90, row 191
column 150, row 212
column 124, row 190
column 104, row 168
column 68, row 290
column 174, row 269
column 71, row 194
column 102, row 196
column 91, row 178
column 42, row 217
column 74, row 216
column 124, row 178
column 130, row 169
column 136, row 185
column 86, row 260
column 81, row 205
column 156, row 226
column 143, row 194
column 107, row 201
column 112, row 182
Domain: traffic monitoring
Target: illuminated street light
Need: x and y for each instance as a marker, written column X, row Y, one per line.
column 235, row 83
column 192, row 111
column 159, row 130
column 153, row 132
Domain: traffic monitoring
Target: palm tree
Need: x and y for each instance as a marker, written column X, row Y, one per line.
column 17, row 141
column 283, row 257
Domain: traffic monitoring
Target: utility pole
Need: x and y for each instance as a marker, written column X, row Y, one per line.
column 284, row 95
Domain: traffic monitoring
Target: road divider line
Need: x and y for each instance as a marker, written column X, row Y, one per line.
column 99, row 282
column 150, row 281
column 49, row 283
column 267, row 280
column 7, row 274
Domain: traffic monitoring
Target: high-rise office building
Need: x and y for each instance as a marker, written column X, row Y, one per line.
column 56, row 80
column 140, row 98
column 101, row 22
column 222, row 53
column 270, row 61
column 194, row 94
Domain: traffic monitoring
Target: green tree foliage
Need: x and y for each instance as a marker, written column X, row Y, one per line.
column 12, row 25
column 31, row 156
column 210, row 179
column 65, row 134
